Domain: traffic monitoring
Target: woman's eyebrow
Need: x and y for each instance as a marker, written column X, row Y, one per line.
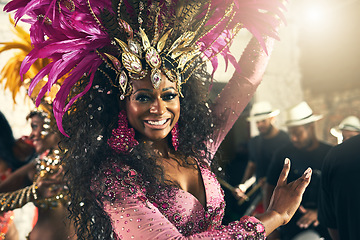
column 168, row 88
column 144, row 89
column 151, row 90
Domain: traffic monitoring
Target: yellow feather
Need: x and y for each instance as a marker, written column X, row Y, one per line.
column 10, row 76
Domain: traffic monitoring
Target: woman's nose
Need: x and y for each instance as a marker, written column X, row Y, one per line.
column 158, row 107
column 35, row 133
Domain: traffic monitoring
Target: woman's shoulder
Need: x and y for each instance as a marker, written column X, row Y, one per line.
column 116, row 177
column 118, row 170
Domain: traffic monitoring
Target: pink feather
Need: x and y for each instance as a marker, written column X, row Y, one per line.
column 260, row 17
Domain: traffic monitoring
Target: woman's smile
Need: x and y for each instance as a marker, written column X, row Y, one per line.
column 157, row 124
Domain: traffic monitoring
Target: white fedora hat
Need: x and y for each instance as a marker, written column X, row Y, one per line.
column 300, row 114
column 261, row 111
column 350, row 123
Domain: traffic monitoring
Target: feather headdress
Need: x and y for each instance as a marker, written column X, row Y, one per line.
column 134, row 38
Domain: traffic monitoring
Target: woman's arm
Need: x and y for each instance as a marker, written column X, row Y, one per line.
column 238, row 92
column 133, row 218
column 20, row 178
column 17, row 190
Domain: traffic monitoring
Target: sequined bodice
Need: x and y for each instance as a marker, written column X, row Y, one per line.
column 184, row 210
column 168, row 211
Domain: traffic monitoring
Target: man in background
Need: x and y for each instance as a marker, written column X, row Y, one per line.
column 348, row 128
column 262, row 146
column 304, row 151
column 339, row 208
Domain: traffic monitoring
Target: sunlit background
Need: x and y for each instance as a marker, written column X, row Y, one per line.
column 317, row 60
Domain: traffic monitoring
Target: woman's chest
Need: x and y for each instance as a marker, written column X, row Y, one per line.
column 188, row 179
column 185, row 211
column 125, row 189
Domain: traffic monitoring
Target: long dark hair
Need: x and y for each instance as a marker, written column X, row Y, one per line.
column 89, row 123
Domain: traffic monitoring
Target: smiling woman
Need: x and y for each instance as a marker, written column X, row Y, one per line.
column 41, row 138
column 137, row 167
column 153, row 112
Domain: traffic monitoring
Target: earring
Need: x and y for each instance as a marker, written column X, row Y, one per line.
column 175, row 136
column 123, row 138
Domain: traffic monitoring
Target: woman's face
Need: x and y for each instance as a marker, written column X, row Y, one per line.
column 35, row 135
column 41, row 143
column 153, row 112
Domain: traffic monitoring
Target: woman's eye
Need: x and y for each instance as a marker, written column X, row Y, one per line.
column 169, row 96
column 142, row 98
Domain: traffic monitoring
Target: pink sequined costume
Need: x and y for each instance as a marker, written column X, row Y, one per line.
column 172, row 213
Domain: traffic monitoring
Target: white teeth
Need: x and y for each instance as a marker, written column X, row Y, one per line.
column 157, row 122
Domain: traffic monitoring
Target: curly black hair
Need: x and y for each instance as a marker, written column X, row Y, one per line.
column 89, row 123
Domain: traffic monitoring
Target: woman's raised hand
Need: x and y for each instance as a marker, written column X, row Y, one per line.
column 285, row 200
column 287, row 197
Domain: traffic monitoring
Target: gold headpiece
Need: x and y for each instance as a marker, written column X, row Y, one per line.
column 139, row 56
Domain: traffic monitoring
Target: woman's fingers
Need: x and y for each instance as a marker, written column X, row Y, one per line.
column 302, row 182
column 284, row 173
column 287, row 197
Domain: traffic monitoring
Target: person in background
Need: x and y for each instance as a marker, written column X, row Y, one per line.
column 7, row 141
column 348, row 128
column 304, row 150
column 339, row 198
column 262, row 146
column 14, row 152
column 40, row 182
